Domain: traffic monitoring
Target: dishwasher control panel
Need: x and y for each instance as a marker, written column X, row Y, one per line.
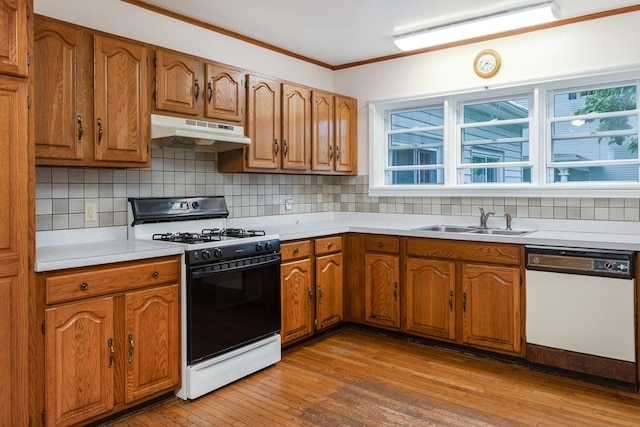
column 592, row 262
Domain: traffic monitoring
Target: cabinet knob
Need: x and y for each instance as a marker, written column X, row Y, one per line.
column 380, row 244
column 296, row 250
column 330, row 245
column 84, row 286
column 155, row 274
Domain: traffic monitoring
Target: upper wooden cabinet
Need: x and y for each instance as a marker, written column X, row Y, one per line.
column 296, row 131
column 13, row 37
column 187, row 85
column 91, row 91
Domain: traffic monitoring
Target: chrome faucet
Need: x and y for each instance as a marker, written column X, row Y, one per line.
column 484, row 217
column 507, row 216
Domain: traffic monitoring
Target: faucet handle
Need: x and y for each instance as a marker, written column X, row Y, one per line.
column 507, row 216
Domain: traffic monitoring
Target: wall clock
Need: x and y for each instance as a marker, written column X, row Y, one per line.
column 486, row 63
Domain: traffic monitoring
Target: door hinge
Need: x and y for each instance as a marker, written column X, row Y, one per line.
column 521, row 341
column 43, row 327
column 30, row 421
column 155, row 62
column 44, row 417
column 28, row 12
column 520, row 280
column 28, row 102
column 28, row 59
column 154, row 96
column 29, row 263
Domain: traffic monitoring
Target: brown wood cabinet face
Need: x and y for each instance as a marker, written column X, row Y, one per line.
column 225, row 95
column 322, row 132
column 79, row 361
column 178, row 85
column 13, row 37
column 297, row 300
column 346, row 134
column 152, row 319
column 14, row 249
column 491, row 307
column 263, row 123
column 382, row 292
column 329, row 290
column 121, row 129
column 430, row 298
column 296, row 130
column 63, row 119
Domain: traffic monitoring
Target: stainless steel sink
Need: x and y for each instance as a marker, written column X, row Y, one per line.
column 447, row 228
column 499, row 232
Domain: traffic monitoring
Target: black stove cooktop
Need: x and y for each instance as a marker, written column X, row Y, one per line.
column 208, row 235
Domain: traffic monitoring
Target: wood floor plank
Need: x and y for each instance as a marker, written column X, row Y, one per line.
column 363, row 378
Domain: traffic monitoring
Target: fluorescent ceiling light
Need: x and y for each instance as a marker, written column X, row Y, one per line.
column 491, row 24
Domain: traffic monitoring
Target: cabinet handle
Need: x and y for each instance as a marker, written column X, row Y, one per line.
column 295, row 251
column 310, row 294
column 155, row 274
column 450, row 300
column 276, row 147
column 112, row 353
column 130, row 347
column 337, row 153
column 197, row 89
column 380, row 244
column 330, row 153
column 330, row 245
column 464, row 302
column 395, row 291
column 80, row 128
column 210, row 87
column 99, row 130
column 84, row 286
column 285, row 147
column 320, row 293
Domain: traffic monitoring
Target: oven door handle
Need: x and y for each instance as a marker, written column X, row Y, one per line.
column 206, row 271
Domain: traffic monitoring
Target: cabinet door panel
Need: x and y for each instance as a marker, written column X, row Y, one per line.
column 322, row 136
column 296, row 119
column 79, row 366
column 153, row 343
column 346, row 134
column 491, row 306
column 297, row 300
column 263, row 123
column 329, row 292
column 382, row 279
column 13, row 37
column 225, row 93
column 121, row 130
column 430, row 298
column 61, row 120
column 177, row 83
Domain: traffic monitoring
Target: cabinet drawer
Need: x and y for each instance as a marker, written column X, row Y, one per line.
column 382, row 244
column 465, row 251
column 295, row 250
column 93, row 281
column 328, row 244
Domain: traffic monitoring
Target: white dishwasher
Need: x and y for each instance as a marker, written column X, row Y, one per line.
column 581, row 311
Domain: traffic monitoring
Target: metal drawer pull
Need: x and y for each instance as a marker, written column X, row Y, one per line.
column 464, row 302
column 320, row 293
column 197, row 89
column 210, row 92
column 450, row 300
column 130, row 347
column 99, row 130
column 155, row 274
column 380, row 244
column 80, row 128
column 330, row 245
column 112, row 353
column 296, row 250
column 310, row 294
column 395, row 291
column 84, row 286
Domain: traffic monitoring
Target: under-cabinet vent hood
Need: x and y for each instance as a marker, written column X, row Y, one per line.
column 196, row 135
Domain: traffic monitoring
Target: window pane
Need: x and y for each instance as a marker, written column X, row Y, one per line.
column 415, row 148
column 417, row 119
column 596, row 173
column 417, row 177
column 497, row 110
column 605, row 100
column 511, row 174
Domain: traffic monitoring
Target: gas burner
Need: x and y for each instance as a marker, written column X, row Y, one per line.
column 238, row 233
column 186, row 237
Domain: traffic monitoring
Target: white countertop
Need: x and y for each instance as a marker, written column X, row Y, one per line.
column 112, row 245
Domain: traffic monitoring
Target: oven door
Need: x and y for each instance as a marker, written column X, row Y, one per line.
column 231, row 304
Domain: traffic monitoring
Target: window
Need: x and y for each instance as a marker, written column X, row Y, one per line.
column 571, row 138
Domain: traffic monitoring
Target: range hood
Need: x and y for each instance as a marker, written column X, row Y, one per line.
column 196, row 135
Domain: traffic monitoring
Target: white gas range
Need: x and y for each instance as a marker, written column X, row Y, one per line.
column 231, row 289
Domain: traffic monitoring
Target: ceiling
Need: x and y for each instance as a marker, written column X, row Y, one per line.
column 339, row 32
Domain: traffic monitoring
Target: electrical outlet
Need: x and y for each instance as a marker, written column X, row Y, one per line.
column 90, row 212
column 288, row 203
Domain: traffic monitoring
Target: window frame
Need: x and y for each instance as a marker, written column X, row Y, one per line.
column 541, row 93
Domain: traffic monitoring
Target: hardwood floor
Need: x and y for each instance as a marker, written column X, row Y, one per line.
column 356, row 377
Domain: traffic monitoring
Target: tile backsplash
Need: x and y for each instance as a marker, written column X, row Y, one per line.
column 61, row 194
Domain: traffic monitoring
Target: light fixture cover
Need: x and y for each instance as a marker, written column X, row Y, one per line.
column 492, row 24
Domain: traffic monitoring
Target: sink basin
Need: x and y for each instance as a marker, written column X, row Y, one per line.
column 499, row 232
column 447, row 228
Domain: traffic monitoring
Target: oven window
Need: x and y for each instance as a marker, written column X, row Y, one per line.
column 229, row 309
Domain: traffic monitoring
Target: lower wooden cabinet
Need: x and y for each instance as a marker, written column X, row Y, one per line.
column 312, row 287
column 382, row 281
column 106, row 352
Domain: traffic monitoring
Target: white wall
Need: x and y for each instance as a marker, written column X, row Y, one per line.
column 117, row 17
column 592, row 46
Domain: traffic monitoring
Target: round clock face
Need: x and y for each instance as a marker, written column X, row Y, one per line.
column 487, row 63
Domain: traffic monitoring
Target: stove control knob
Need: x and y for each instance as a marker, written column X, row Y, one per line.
column 268, row 246
column 206, row 255
column 217, row 252
column 259, row 247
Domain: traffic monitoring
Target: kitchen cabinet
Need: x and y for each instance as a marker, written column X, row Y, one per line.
column 466, row 292
column 312, row 287
column 187, row 85
column 297, row 293
column 334, row 133
column 382, row 281
column 13, row 36
column 92, row 91
column 111, row 337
